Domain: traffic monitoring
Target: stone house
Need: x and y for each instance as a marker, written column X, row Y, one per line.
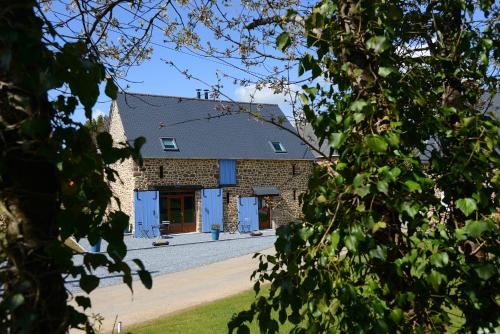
column 207, row 162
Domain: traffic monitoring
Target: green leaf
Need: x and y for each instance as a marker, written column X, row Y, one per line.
column 393, row 139
column 304, row 98
column 358, row 105
column 336, row 139
column 362, row 191
column 411, row 210
column 83, row 301
column 111, row 89
column 89, row 282
column 305, row 233
column 376, row 143
column 14, row 301
column 485, row 271
column 413, row 186
column 146, row 279
column 358, row 117
column 435, row 278
column 334, row 239
column 474, row 229
column 378, row 226
column 396, row 315
column 351, row 243
column 243, row 329
column 385, row 71
column 379, row 253
column 283, row 41
column 378, row 44
column 466, row 205
column 383, row 186
column 439, row 260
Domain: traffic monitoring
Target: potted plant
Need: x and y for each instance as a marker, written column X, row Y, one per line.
column 215, row 229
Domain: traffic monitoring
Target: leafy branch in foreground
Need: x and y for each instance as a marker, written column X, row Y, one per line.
column 401, row 233
column 53, row 177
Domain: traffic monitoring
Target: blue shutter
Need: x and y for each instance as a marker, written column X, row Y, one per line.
column 146, row 214
column 211, row 209
column 248, row 217
column 227, row 172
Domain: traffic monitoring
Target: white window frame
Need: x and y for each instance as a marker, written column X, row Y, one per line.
column 282, row 147
column 175, row 148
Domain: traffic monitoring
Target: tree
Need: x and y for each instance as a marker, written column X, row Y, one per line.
column 53, row 177
column 400, row 234
column 97, row 125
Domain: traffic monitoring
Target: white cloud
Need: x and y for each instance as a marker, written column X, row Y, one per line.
column 264, row 95
column 97, row 112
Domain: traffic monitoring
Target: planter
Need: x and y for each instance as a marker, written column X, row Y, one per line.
column 97, row 247
column 215, row 234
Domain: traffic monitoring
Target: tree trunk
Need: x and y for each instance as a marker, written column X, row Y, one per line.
column 29, row 181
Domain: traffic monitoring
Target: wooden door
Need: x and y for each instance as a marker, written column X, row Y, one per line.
column 264, row 214
column 179, row 210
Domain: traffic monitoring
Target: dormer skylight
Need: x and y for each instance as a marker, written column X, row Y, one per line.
column 169, row 144
column 278, row 147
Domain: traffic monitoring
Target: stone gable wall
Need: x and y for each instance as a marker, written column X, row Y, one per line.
column 124, row 186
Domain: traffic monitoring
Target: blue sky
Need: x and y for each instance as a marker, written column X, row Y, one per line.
column 155, row 76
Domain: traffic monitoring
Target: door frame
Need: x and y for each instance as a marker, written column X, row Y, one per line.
column 184, row 227
column 267, row 224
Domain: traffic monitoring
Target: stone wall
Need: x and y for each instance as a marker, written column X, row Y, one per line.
column 250, row 173
column 124, row 186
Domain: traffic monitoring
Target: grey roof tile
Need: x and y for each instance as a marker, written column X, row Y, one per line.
column 206, row 129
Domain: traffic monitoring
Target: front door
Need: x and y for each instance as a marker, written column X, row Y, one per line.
column 264, row 214
column 179, row 210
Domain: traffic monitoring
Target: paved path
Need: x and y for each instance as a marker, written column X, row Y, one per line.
column 174, row 292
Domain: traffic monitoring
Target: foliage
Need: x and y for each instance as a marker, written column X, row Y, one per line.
column 53, row 177
column 97, row 125
column 400, row 233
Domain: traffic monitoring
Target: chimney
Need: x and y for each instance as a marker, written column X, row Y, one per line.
column 206, row 94
column 198, row 93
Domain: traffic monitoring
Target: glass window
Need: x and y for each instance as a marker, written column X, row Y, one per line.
column 189, row 209
column 169, row 144
column 278, row 147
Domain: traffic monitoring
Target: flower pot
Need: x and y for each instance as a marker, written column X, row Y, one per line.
column 97, row 247
column 215, row 234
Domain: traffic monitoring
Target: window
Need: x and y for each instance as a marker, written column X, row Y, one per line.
column 278, row 147
column 169, row 144
column 227, row 172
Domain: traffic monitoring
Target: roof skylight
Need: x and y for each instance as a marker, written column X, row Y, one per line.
column 278, row 147
column 169, row 144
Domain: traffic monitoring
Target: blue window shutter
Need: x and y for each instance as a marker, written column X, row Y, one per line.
column 248, row 217
column 227, row 172
column 146, row 214
column 211, row 209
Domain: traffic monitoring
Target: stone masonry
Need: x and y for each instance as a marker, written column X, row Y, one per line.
column 249, row 173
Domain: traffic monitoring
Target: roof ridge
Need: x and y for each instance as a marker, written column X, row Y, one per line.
column 193, row 98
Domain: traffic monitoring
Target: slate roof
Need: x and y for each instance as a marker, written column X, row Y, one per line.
column 307, row 132
column 207, row 129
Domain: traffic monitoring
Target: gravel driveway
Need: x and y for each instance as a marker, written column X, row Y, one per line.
column 185, row 251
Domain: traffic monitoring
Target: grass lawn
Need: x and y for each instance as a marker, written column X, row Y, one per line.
column 208, row 318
